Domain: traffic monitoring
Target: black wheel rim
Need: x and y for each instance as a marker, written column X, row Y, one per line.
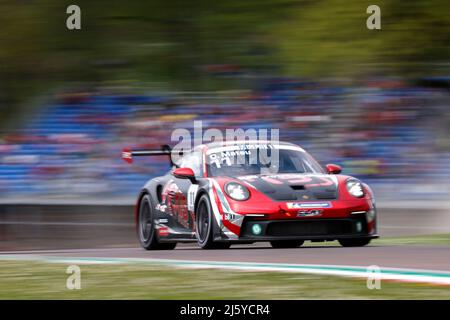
column 203, row 222
column 146, row 222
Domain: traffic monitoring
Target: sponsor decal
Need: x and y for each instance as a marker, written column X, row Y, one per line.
column 309, row 213
column 300, row 205
column 191, row 195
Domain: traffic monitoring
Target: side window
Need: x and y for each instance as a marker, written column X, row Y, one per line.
column 193, row 161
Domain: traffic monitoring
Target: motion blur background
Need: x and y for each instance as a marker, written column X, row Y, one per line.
column 374, row 101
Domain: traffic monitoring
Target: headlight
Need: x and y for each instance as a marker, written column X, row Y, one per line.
column 237, row 191
column 355, row 188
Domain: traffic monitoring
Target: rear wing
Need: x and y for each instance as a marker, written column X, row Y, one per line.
column 127, row 154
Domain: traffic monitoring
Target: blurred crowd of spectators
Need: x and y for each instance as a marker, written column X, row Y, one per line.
column 391, row 134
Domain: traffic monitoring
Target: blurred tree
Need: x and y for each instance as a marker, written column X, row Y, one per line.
column 330, row 38
column 171, row 42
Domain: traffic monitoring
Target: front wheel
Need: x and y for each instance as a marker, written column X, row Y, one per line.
column 354, row 242
column 146, row 227
column 286, row 243
column 204, row 226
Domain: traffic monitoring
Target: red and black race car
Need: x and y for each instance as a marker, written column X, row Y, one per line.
column 219, row 194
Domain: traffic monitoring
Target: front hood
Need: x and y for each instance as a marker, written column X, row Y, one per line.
column 288, row 187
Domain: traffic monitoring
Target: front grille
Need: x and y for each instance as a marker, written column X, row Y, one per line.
column 309, row 228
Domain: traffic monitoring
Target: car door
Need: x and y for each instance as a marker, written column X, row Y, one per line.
column 179, row 192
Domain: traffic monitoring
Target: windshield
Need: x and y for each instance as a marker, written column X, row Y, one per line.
column 242, row 162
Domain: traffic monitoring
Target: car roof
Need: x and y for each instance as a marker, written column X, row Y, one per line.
column 217, row 145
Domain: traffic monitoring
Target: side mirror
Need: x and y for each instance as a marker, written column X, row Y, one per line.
column 333, row 169
column 184, row 173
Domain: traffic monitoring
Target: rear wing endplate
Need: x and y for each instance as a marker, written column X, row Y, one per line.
column 128, row 154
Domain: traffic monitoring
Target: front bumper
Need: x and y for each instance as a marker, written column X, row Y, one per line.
column 306, row 229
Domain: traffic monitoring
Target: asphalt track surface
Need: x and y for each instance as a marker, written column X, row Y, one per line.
column 413, row 257
column 109, row 232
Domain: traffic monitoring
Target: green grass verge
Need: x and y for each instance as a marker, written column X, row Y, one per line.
column 35, row 280
column 432, row 239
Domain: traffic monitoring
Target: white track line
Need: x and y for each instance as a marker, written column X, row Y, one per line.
column 395, row 274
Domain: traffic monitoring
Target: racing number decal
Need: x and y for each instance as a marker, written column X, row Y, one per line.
column 296, row 179
column 191, row 194
column 325, row 183
column 306, row 181
column 271, row 180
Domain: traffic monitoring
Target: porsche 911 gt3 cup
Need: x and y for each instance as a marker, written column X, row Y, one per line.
column 210, row 198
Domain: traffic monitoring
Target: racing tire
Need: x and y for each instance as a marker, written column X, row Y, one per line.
column 286, row 243
column 357, row 242
column 205, row 226
column 146, row 227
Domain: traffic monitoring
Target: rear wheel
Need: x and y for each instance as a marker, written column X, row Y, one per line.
column 286, row 243
column 204, row 226
column 361, row 242
column 146, row 227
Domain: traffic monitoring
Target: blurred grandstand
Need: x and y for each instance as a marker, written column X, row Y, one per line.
column 393, row 135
